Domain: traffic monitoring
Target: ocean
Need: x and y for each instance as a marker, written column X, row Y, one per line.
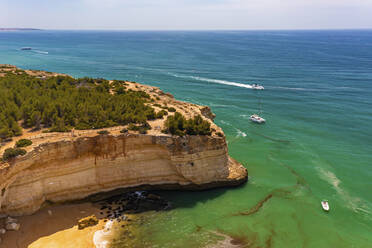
column 316, row 144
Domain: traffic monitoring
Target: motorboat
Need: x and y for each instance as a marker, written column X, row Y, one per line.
column 26, row 48
column 257, row 87
column 325, row 205
column 257, row 119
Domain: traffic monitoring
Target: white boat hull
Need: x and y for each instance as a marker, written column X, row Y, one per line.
column 325, row 206
column 257, row 119
column 258, row 87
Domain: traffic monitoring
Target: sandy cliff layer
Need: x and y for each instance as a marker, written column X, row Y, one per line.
column 76, row 168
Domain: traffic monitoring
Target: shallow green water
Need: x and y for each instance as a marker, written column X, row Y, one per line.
column 316, row 144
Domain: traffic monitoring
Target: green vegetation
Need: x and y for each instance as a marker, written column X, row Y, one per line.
column 23, row 143
column 178, row 125
column 171, row 109
column 160, row 114
column 219, row 134
column 62, row 103
column 12, row 153
column 103, row 132
column 142, row 129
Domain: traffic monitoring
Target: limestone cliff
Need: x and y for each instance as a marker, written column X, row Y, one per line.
column 74, row 169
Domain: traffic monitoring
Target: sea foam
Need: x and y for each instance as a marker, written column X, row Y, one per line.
column 101, row 237
column 354, row 203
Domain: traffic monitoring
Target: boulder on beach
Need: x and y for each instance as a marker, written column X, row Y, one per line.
column 12, row 226
column 10, row 220
column 87, row 222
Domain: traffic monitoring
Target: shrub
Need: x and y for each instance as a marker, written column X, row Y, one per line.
column 142, row 128
column 23, row 143
column 133, row 127
column 150, row 114
column 219, row 134
column 161, row 113
column 103, row 132
column 124, row 130
column 178, row 125
column 12, row 153
column 171, row 109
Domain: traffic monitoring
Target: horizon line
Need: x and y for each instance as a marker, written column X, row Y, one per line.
column 190, row 30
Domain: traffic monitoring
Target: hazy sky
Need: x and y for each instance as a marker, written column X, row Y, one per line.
column 186, row 14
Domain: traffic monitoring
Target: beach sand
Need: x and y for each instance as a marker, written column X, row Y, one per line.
column 55, row 226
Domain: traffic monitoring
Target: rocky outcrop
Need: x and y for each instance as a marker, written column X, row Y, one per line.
column 77, row 167
column 87, row 222
column 207, row 113
column 11, row 224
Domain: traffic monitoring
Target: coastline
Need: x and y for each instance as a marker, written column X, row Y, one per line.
column 305, row 74
column 45, row 186
column 71, row 225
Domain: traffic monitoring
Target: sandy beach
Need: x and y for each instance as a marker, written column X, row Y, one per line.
column 84, row 225
column 55, row 226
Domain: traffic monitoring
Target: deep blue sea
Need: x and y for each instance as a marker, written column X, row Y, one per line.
column 316, row 144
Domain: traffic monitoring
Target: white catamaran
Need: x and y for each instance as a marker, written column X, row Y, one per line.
column 255, row 117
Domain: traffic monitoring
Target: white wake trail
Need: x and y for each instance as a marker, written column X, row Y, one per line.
column 211, row 80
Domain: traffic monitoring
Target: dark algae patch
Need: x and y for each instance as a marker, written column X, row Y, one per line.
column 257, row 207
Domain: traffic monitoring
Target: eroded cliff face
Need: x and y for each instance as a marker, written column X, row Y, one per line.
column 81, row 166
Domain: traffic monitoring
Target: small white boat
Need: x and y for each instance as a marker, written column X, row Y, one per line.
column 325, row 205
column 257, row 87
column 257, row 119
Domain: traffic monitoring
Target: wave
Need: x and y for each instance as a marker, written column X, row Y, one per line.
column 245, row 116
column 240, row 133
column 294, row 88
column 41, row 52
column 354, row 203
column 211, row 80
column 219, row 105
column 225, row 123
column 101, row 238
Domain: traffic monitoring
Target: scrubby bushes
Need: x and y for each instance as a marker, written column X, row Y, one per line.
column 124, row 130
column 23, row 143
column 62, row 103
column 171, row 109
column 178, row 125
column 142, row 129
column 160, row 114
column 103, row 132
column 12, row 153
column 219, row 134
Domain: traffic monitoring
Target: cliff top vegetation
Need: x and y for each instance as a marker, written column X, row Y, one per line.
column 59, row 103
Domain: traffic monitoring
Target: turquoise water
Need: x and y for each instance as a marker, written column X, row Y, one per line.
column 316, row 144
